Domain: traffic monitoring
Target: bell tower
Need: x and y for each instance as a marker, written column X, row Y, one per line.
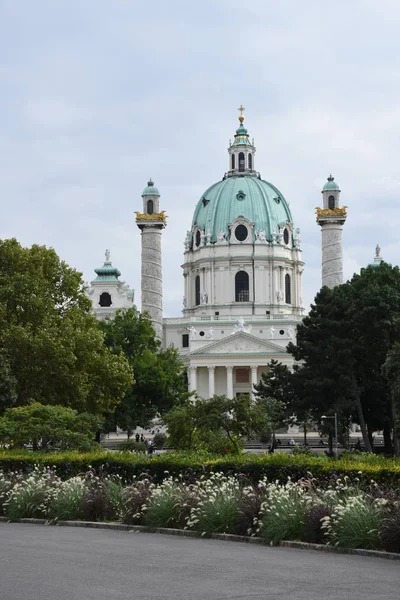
column 151, row 222
column 331, row 217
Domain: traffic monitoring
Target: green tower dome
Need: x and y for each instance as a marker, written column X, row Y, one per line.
column 246, row 196
column 150, row 190
column 331, row 185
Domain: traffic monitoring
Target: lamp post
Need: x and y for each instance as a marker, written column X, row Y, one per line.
column 336, row 431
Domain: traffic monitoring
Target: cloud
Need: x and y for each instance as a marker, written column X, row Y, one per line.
column 98, row 96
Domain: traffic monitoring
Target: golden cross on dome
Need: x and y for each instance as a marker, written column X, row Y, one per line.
column 241, row 108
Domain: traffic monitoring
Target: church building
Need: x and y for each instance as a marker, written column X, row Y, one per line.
column 242, row 274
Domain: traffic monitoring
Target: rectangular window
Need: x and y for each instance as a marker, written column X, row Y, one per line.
column 185, row 340
column 242, row 375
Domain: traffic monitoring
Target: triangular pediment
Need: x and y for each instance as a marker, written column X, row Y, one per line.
column 240, row 343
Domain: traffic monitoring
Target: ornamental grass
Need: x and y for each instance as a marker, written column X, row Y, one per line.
column 338, row 511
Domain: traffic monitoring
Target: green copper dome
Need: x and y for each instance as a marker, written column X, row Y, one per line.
column 107, row 273
column 150, row 190
column 331, row 185
column 245, row 196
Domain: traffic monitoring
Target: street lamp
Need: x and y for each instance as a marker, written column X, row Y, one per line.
column 336, row 436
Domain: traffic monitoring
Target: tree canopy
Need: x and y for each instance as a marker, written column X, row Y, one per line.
column 159, row 374
column 342, row 346
column 48, row 427
column 52, row 346
column 216, row 423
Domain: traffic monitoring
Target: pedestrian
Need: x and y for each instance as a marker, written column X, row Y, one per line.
column 137, row 438
column 150, row 448
column 142, row 439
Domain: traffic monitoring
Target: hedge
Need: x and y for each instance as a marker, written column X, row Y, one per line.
column 191, row 466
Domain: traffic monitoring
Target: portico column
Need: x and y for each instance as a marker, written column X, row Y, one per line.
column 211, row 381
column 193, row 379
column 254, row 380
column 229, row 382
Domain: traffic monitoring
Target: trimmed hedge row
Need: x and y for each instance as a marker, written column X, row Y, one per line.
column 191, row 466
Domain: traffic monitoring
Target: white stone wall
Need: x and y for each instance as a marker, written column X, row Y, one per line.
column 266, row 264
column 152, row 275
column 332, row 254
column 119, row 298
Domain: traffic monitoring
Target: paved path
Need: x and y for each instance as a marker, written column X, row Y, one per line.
column 57, row 563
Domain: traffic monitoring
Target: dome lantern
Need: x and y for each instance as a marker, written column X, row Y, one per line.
column 241, row 151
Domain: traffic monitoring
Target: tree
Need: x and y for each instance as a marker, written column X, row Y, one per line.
column 52, row 343
column 274, row 393
column 391, row 370
column 342, row 346
column 159, row 374
column 235, row 418
column 8, row 385
column 48, row 427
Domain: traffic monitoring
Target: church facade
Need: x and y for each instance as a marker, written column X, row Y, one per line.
column 242, row 271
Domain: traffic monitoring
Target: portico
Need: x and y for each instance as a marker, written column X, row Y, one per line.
column 238, row 379
column 231, row 366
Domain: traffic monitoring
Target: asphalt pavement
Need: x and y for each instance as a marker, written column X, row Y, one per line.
column 62, row 563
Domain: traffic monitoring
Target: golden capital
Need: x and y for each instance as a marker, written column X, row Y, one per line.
column 161, row 216
column 328, row 212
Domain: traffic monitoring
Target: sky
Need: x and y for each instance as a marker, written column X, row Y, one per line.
column 96, row 96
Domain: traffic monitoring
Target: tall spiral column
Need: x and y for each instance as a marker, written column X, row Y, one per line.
column 331, row 218
column 332, row 252
column 151, row 223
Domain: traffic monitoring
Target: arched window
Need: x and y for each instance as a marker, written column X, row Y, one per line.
column 250, row 161
column 150, row 207
column 331, row 202
column 197, row 290
column 242, row 163
column 198, row 238
column 242, row 287
column 288, row 291
column 286, row 236
column 233, row 161
column 105, row 299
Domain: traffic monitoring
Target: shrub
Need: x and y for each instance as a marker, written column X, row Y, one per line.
column 165, row 505
column 217, row 509
column 190, row 466
column 134, row 498
column 249, row 507
column 68, row 501
column 313, row 531
column 389, row 530
column 31, row 497
column 133, row 446
column 7, row 482
column 217, row 442
column 282, row 515
column 354, row 523
column 102, row 499
column 159, row 440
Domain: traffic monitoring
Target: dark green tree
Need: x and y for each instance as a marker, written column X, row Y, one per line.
column 8, row 385
column 52, row 343
column 391, row 370
column 159, row 374
column 342, row 346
